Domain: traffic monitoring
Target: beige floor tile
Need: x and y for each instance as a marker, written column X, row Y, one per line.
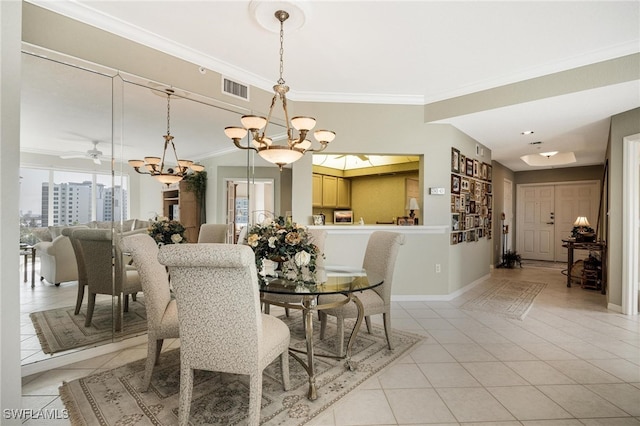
column 364, row 407
column 403, row 376
column 431, row 324
column 468, row 352
column 528, row 403
column 507, row 351
column 539, row 373
column 622, row 395
column 448, row 375
column 622, row 369
column 580, row 401
column 547, row 351
column 49, row 382
column 444, row 336
column 583, row 372
column 37, row 402
column 625, row 421
column 561, row 422
column 324, row 419
column 418, row 405
column 473, row 405
column 126, row 356
column 494, row 374
column 431, row 353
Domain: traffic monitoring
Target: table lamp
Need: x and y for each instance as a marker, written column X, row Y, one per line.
column 412, row 207
column 581, row 222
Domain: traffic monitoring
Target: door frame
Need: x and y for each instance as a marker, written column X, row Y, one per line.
column 630, row 223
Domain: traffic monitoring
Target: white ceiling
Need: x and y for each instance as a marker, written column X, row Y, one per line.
column 405, row 52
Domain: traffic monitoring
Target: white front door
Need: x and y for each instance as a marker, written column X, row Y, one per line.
column 535, row 221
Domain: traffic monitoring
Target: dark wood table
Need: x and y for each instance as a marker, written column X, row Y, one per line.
column 599, row 246
column 346, row 282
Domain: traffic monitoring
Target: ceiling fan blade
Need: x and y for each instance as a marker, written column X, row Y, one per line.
column 69, row 155
column 97, row 161
column 363, row 157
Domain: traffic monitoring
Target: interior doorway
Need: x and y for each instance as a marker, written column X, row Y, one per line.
column 248, row 203
column 631, row 225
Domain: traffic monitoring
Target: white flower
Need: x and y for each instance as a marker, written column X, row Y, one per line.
column 272, row 242
column 252, row 240
column 302, row 258
column 268, row 221
column 163, row 219
column 176, row 238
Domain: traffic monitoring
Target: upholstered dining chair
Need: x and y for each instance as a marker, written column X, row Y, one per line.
column 82, row 273
column 213, row 233
column 162, row 311
column 221, row 325
column 379, row 259
column 104, row 276
column 318, row 237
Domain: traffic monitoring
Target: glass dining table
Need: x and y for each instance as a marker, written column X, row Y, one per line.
column 334, row 280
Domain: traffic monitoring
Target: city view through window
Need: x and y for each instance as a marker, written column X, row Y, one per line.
column 58, row 198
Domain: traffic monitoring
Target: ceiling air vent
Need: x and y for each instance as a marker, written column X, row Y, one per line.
column 235, row 89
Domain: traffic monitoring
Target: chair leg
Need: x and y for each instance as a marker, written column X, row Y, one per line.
column 286, row 312
column 153, row 350
column 367, row 320
column 159, row 343
column 267, row 308
column 134, row 296
column 126, row 303
column 284, row 369
column 79, row 299
column 186, row 389
column 323, row 323
column 255, row 397
column 387, row 328
column 91, row 303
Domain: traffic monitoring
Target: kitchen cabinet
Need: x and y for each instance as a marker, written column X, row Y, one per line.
column 344, row 193
column 329, row 191
column 182, row 205
column 317, row 190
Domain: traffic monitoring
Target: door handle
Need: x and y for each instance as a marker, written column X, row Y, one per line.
column 549, row 223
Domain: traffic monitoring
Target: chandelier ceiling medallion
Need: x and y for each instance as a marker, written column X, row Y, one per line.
column 156, row 167
column 296, row 147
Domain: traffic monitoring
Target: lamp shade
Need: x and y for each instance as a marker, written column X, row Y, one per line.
column 581, row 221
column 280, row 155
column 413, row 204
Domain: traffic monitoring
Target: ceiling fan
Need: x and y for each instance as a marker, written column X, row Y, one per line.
column 93, row 154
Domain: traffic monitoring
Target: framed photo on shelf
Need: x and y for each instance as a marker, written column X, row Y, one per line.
column 464, row 184
column 454, row 238
column 455, row 160
column 489, row 173
column 476, row 168
column 455, row 184
column 455, row 222
column 343, row 217
column 484, row 171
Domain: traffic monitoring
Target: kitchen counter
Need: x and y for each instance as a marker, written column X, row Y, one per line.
column 368, row 229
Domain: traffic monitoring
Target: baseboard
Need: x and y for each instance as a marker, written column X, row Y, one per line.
column 438, row 297
column 615, row 308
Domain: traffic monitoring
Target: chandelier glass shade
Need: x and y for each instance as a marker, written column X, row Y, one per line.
column 156, row 167
column 296, row 146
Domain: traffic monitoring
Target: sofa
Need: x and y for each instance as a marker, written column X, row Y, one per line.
column 57, row 258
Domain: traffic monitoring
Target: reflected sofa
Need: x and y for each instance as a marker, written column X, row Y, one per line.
column 57, row 258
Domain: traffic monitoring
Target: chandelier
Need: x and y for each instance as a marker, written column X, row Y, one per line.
column 155, row 166
column 296, row 147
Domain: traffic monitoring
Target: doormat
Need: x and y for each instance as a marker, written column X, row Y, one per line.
column 511, row 299
column 60, row 330
column 112, row 397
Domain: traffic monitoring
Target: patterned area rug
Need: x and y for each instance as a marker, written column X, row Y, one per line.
column 112, row 397
column 59, row 329
column 511, row 299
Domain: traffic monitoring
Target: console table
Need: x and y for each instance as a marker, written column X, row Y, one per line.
column 599, row 246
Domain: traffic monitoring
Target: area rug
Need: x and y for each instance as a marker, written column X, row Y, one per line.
column 511, row 299
column 60, row 330
column 112, row 397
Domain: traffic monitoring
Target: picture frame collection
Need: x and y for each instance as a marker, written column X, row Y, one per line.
column 471, row 199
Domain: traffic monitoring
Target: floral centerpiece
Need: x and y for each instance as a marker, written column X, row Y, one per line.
column 287, row 243
column 166, row 231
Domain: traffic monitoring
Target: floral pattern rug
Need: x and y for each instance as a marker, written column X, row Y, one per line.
column 112, row 397
column 60, row 329
column 511, row 299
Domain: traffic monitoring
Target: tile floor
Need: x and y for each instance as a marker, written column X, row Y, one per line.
column 569, row 362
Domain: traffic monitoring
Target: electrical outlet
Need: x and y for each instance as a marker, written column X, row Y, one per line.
column 438, row 269
column 436, row 191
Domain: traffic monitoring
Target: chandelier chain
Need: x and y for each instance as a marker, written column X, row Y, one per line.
column 168, row 113
column 281, row 80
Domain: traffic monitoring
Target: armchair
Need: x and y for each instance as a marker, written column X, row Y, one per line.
column 57, row 259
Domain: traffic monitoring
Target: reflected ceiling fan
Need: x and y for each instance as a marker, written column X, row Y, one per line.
column 94, row 154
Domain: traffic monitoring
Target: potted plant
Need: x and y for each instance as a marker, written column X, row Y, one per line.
column 509, row 259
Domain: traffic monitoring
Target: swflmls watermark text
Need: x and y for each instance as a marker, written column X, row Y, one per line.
column 31, row 414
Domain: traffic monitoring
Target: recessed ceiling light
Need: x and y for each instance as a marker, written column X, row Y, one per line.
column 535, row 143
column 527, row 132
column 548, row 154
